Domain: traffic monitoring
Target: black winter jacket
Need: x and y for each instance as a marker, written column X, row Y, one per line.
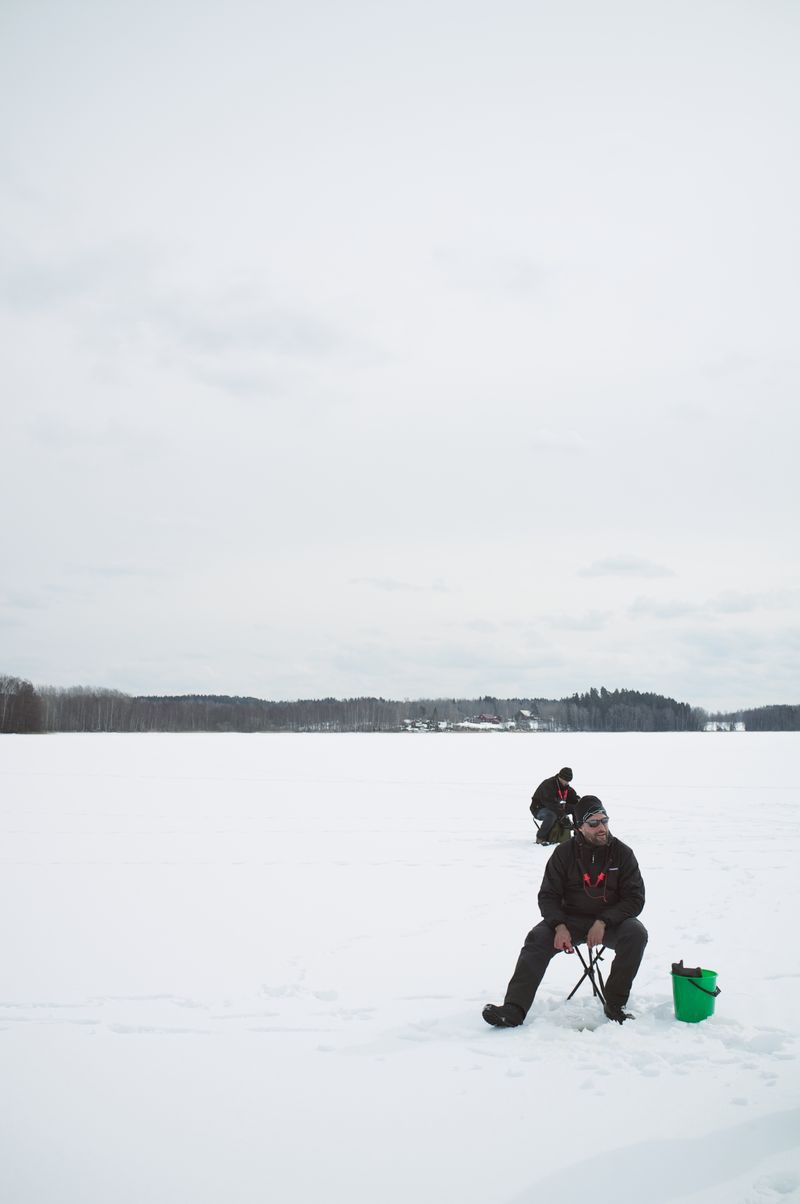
column 547, row 795
column 613, row 892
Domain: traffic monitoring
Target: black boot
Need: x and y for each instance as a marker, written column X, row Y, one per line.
column 614, row 1011
column 508, row 1015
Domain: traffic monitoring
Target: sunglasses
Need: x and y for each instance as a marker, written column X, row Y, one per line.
column 597, row 823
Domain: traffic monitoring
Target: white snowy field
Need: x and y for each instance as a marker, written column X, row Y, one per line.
column 251, row 968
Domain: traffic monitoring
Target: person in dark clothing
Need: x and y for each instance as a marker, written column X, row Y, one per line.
column 592, row 892
column 554, row 802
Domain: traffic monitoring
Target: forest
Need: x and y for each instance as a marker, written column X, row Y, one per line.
column 26, row 708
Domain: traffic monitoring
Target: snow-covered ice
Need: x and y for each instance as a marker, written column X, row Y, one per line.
column 249, row 968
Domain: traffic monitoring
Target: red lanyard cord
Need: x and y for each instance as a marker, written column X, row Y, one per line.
column 590, row 886
column 588, row 882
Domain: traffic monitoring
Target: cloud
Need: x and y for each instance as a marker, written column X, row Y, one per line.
column 625, row 566
column 113, row 571
column 231, row 336
column 653, row 608
column 510, row 273
column 731, row 364
column 721, row 605
column 430, row 667
column 731, row 603
column 246, row 384
column 53, row 432
column 548, row 439
column 113, row 270
column 593, row 620
column 241, row 321
column 393, row 586
column 689, row 411
column 738, row 646
column 482, row 626
column 20, row 600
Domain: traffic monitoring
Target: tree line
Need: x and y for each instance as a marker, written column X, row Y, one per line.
column 27, row 709
column 624, row 711
column 20, row 706
column 769, row 719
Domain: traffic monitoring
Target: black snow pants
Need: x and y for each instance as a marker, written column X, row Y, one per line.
column 627, row 939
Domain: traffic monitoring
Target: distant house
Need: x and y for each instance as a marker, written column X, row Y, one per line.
column 723, row 725
column 486, row 723
column 425, row 725
column 526, row 721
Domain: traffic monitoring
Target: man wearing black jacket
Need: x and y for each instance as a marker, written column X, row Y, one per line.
column 592, row 891
column 552, row 803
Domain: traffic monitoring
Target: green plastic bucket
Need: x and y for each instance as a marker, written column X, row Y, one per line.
column 694, row 995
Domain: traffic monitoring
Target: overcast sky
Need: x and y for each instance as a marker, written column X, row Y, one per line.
column 420, row 349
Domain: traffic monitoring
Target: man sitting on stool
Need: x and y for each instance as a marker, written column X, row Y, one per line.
column 553, row 805
column 592, row 891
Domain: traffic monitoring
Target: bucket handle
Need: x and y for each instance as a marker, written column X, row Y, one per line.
column 713, row 994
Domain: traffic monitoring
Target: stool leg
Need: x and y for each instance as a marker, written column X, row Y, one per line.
column 599, row 990
column 584, row 975
column 589, row 970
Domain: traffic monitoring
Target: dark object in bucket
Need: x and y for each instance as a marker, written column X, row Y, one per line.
column 694, row 992
column 686, row 971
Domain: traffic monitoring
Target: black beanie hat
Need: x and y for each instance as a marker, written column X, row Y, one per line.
column 565, row 774
column 590, row 805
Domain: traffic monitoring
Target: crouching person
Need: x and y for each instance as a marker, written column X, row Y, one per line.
column 555, row 807
column 592, row 892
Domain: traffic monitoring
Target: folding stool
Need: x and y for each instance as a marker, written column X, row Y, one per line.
column 591, row 970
